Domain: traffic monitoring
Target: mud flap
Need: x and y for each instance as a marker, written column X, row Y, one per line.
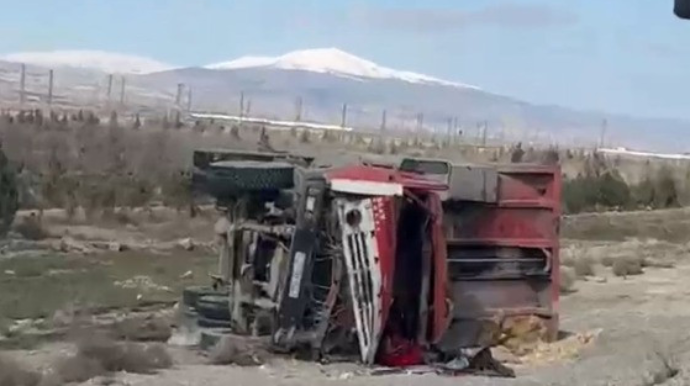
column 360, row 250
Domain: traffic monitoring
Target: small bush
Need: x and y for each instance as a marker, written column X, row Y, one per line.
column 98, row 353
column 568, row 278
column 567, row 261
column 143, row 330
column 31, row 228
column 238, row 351
column 624, row 267
column 591, row 191
column 607, row 261
column 78, row 368
column 658, row 190
column 13, row 374
column 584, row 267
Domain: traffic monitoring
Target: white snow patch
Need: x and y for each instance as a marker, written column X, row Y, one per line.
column 330, row 61
column 243, row 62
column 108, row 62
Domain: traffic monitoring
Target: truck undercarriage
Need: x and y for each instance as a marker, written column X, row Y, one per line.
column 394, row 266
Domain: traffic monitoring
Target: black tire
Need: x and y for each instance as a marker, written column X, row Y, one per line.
column 214, row 307
column 230, row 178
column 211, row 336
column 191, row 295
column 213, row 323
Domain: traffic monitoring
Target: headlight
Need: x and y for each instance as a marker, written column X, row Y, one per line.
column 353, row 218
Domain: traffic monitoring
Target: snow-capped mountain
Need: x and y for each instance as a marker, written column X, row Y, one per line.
column 329, row 61
column 324, row 80
column 108, row 62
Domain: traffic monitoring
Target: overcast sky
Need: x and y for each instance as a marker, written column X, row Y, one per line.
column 628, row 56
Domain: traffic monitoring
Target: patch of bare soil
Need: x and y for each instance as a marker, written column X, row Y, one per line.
column 618, row 321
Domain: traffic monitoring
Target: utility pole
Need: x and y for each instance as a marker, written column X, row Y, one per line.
column 241, row 105
column 343, row 117
column 248, row 108
column 22, row 86
column 383, row 120
column 50, row 87
column 110, row 89
column 420, row 122
column 189, row 99
column 123, row 84
column 602, row 135
column 485, row 129
column 298, row 109
column 178, row 96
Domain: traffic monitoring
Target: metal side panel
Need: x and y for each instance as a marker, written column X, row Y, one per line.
column 360, row 250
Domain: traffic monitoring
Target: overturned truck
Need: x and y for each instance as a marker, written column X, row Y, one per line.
column 396, row 265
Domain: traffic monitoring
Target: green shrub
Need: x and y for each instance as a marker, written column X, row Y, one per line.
column 658, row 190
column 9, row 194
column 589, row 192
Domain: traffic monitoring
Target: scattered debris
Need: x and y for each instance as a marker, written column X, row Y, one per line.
column 521, row 334
column 568, row 348
column 143, row 283
column 187, row 244
column 116, row 247
column 68, row 244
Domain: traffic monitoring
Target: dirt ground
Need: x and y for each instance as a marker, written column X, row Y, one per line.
column 618, row 330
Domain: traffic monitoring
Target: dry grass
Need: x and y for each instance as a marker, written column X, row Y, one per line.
column 98, row 355
column 624, row 267
column 236, row 350
column 13, row 373
column 42, row 285
column 77, row 368
column 607, row 261
column 124, row 356
column 584, row 267
column 143, row 329
column 31, row 228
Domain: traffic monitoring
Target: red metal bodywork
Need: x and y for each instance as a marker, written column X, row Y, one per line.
column 489, row 258
column 440, row 308
column 410, row 181
column 504, row 256
column 385, row 208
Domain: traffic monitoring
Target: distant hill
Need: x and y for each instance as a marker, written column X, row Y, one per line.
column 322, row 80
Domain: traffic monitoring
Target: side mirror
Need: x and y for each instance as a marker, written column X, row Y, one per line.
column 682, row 9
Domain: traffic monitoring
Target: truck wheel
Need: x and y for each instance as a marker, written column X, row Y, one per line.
column 214, row 307
column 211, row 336
column 191, row 295
column 213, row 323
column 229, row 178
